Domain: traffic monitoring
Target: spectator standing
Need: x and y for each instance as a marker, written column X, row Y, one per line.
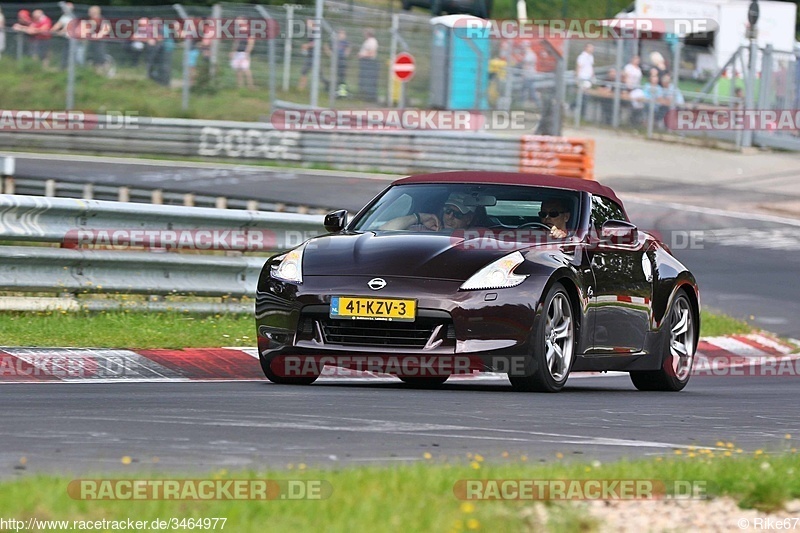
column 584, row 67
column 368, row 66
column 633, row 73
column 21, row 26
column 671, row 97
column 152, row 49
column 607, row 85
column 307, row 49
column 240, row 57
column 61, row 28
column 98, row 31
column 138, row 43
column 39, row 30
column 166, row 46
column 341, row 62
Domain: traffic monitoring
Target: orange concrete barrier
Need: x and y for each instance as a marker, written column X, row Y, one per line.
column 562, row 156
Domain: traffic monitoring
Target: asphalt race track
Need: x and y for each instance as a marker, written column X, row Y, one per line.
column 745, row 264
column 201, row 426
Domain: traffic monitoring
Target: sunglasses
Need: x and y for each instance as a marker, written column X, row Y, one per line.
column 453, row 213
column 550, row 214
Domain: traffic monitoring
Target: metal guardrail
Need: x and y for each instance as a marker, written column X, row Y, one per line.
column 392, row 151
column 148, row 233
column 32, row 186
column 32, row 218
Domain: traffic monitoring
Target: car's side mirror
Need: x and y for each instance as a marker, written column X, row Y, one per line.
column 619, row 232
column 335, row 221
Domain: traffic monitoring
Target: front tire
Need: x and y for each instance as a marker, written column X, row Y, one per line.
column 680, row 347
column 548, row 367
column 267, row 364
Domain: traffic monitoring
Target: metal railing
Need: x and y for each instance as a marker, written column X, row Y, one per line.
column 151, row 235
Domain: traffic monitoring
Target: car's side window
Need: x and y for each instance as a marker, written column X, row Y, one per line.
column 604, row 209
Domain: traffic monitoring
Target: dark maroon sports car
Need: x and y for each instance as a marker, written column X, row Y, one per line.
column 534, row 276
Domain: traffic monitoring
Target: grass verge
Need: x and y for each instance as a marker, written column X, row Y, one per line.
column 421, row 496
column 135, row 330
column 126, row 329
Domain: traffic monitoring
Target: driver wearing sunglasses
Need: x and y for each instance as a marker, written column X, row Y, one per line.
column 555, row 215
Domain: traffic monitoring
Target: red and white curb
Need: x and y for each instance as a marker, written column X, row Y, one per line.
column 716, row 356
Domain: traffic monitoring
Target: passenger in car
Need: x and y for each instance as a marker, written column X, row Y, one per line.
column 455, row 215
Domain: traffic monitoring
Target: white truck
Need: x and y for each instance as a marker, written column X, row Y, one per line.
column 776, row 24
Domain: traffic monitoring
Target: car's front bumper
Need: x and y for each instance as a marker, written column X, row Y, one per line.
column 482, row 324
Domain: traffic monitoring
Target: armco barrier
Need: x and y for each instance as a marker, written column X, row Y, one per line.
column 75, row 269
column 38, row 219
column 402, row 151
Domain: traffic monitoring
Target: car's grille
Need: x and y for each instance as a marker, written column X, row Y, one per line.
column 379, row 333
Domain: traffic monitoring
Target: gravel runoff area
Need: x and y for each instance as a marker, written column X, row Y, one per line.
column 715, row 515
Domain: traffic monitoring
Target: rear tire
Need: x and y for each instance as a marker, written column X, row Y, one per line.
column 424, row 383
column 266, row 367
column 547, row 367
column 679, row 346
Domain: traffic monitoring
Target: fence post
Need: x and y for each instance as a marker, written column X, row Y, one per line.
column 270, row 53
column 287, row 46
column 187, row 48
column 765, row 85
column 561, row 89
column 749, row 91
column 617, row 85
column 70, row 73
column 216, row 14
column 676, row 61
column 334, row 82
column 317, row 58
column 392, row 56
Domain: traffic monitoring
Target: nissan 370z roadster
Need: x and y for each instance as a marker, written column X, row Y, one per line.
column 451, row 273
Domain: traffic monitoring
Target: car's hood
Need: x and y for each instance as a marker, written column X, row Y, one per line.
column 426, row 255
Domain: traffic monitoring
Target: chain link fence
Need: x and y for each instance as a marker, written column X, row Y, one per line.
column 344, row 61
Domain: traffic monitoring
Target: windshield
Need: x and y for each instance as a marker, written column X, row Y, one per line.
column 446, row 207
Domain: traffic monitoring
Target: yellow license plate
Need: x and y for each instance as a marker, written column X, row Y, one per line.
column 373, row 308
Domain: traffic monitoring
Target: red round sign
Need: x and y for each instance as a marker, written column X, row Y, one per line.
column 403, row 67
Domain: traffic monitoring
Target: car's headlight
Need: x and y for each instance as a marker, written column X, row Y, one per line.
column 291, row 266
column 497, row 275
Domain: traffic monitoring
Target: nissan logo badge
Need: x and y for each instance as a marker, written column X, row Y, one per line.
column 377, row 284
